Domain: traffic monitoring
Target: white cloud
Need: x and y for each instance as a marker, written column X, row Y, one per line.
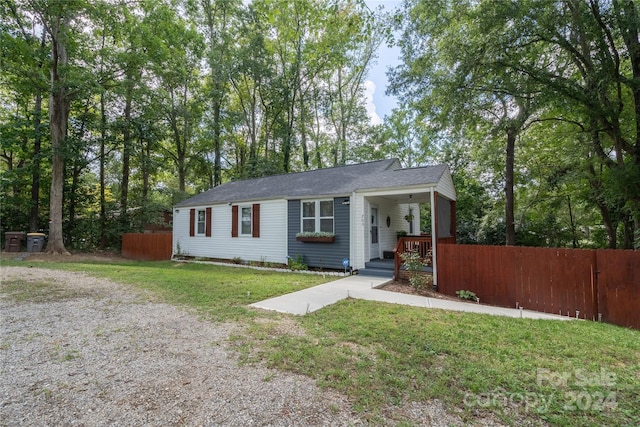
column 369, row 90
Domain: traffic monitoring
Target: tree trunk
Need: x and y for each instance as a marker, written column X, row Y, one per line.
column 59, row 105
column 217, row 143
column 574, row 234
column 75, row 179
column 103, row 209
column 126, row 156
column 34, row 220
column 508, row 189
column 146, row 161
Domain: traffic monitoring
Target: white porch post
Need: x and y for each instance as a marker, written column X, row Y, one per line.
column 434, row 238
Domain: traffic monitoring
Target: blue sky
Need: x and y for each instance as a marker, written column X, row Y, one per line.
column 379, row 104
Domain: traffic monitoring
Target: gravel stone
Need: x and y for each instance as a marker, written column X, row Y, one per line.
column 81, row 351
column 103, row 355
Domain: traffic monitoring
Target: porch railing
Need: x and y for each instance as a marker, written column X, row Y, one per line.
column 420, row 244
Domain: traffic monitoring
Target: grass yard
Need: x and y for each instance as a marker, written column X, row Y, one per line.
column 220, row 292
column 564, row 373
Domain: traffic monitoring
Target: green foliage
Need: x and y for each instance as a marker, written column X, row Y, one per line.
column 468, row 295
column 484, row 73
column 168, row 99
column 297, row 263
column 415, row 266
column 315, row 234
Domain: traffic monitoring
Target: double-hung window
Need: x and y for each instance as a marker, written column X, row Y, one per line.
column 245, row 220
column 201, row 223
column 317, row 215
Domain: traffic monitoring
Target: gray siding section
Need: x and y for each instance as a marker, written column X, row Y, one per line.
column 444, row 217
column 321, row 255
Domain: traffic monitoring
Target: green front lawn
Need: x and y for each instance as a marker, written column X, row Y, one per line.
column 566, row 373
column 220, row 292
column 381, row 355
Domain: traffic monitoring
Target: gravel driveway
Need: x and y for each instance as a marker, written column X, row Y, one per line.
column 77, row 350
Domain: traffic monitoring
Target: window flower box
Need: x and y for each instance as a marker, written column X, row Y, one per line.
column 316, row 237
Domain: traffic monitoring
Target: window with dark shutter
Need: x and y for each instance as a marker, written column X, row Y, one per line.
column 234, row 221
column 192, row 222
column 208, row 223
column 255, row 229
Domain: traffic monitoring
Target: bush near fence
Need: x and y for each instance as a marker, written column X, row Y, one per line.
column 147, row 247
column 588, row 284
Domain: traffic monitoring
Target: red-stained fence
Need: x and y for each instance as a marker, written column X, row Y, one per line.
column 147, row 247
column 618, row 278
column 589, row 284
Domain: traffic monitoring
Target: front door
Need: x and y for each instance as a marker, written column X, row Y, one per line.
column 375, row 246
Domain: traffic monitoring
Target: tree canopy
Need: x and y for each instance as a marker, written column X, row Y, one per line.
column 505, row 76
column 112, row 110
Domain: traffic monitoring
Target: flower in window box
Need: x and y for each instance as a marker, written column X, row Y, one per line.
column 316, row 237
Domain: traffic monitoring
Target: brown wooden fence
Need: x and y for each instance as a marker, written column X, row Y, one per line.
column 589, row 284
column 618, row 278
column 147, row 247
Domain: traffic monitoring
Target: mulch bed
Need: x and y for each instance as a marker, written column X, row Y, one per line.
column 406, row 288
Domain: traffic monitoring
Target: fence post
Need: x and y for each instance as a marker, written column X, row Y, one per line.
column 595, row 293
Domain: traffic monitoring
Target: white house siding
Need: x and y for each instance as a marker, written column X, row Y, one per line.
column 358, row 219
column 445, row 186
column 271, row 246
column 387, row 234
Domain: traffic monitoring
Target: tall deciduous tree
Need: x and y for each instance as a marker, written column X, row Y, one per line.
column 56, row 18
column 528, row 56
column 24, row 54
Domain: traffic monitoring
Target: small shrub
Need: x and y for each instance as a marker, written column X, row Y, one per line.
column 297, row 263
column 237, row 260
column 468, row 295
column 414, row 266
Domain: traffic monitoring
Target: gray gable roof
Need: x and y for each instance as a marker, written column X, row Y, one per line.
column 337, row 181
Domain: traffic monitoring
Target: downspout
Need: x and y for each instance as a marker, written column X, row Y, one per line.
column 434, row 239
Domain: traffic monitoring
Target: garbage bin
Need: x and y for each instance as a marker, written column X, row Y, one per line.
column 35, row 242
column 13, row 241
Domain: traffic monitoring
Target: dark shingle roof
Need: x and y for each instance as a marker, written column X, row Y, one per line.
column 341, row 180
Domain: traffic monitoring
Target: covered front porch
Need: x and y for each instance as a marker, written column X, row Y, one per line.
column 394, row 222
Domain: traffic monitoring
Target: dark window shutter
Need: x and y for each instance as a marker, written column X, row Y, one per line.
column 208, row 223
column 255, row 231
column 192, row 222
column 234, row 221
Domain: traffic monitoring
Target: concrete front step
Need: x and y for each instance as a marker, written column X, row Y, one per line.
column 376, row 272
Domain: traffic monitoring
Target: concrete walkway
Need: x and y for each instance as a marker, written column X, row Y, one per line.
column 364, row 287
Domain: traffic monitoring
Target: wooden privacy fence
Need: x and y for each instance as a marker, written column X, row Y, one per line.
column 147, row 247
column 589, row 284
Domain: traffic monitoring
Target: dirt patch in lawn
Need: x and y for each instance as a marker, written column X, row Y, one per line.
column 73, row 257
